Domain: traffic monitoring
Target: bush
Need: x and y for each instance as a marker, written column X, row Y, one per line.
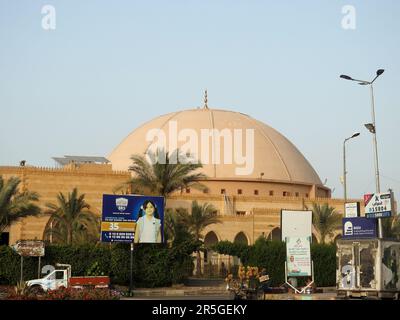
column 324, row 258
column 272, row 254
column 154, row 265
column 67, row 294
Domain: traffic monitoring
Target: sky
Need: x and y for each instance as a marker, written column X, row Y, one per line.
column 109, row 66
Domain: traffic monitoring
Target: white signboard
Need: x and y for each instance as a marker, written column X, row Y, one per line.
column 352, row 209
column 298, row 256
column 296, row 223
column 378, row 205
column 29, row 248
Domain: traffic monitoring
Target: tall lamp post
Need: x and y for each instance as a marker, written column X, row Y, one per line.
column 372, row 128
column 356, row 134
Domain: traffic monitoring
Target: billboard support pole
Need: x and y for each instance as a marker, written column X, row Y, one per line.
column 22, row 268
column 39, row 268
column 304, row 288
column 131, row 271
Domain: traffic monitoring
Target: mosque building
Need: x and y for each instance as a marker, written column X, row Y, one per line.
column 252, row 173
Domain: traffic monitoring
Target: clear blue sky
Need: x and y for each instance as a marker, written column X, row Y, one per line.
column 111, row 65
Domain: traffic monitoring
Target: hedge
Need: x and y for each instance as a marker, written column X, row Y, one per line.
column 272, row 254
column 154, row 265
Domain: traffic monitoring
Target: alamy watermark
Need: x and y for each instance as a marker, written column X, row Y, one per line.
column 349, row 19
column 234, row 146
column 49, row 18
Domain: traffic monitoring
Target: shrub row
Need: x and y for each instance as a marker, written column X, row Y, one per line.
column 154, row 265
column 272, row 254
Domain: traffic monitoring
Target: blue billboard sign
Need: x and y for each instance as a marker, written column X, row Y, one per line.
column 123, row 216
column 359, row 228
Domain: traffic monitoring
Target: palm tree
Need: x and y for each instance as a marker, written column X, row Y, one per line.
column 163, row 177
column 70, row 220
column 200, row 217
column 15, row 205
column 325, row 220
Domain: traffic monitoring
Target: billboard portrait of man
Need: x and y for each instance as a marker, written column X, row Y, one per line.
column 292, row 265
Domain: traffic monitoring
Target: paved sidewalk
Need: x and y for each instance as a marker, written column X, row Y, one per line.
column 220, row 291
column 181, row 291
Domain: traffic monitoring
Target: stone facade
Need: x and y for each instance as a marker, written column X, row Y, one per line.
column 246, row 215
column 91, row 179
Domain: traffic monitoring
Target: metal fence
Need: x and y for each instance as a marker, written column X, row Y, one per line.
column 216, row 267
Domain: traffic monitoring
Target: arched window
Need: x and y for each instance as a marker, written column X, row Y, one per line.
column 241, row 238
column 210, row 239
column 275, row 234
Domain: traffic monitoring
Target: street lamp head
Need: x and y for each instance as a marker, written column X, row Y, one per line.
column 343, row 76
column 355, row 134
column 370, row 127
column 379, row 72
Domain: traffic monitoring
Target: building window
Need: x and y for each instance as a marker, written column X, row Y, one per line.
column 187, row 190
column 306, row 195
column 223, row 191
column 297, row 194
column 256, row 192
column 240, row 213
column 271, row 193
column 205, row 190
column 284, row 193
column 239, row 191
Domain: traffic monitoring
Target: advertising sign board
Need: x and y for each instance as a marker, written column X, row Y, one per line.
column 352, row 209
column 125, row 215
column 298, row 256
column 378, row 205
column 359, row 228
column 29, row 248
column 296, row 223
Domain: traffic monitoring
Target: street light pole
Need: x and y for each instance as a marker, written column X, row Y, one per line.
column 356, row 134
column 372, row 128
column 374, row 140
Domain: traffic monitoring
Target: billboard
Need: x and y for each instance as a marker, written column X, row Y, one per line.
column 298, row 256
column 132, row 218
column 29, row 248
column 359, row 228
column 378, row 205
column 296, row 223
column 352, row 209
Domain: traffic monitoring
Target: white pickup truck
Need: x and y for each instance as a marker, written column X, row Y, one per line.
column 61, row 277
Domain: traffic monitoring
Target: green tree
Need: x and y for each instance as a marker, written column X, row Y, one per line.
column 201, row 216
column 391, row 227
column 15, row 204
column 71, row 221
column 325, row 220
column 164, row 174
column 176, row 232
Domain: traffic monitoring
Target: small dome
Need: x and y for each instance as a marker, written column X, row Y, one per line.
column 274, row 156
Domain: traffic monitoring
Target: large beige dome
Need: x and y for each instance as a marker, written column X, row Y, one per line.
column 274, row 155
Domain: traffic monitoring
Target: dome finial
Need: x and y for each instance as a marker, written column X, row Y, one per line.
column 205, row 100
